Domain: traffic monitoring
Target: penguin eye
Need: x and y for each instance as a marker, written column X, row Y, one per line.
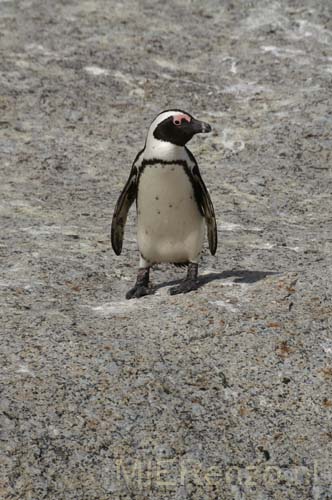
column 177, row 121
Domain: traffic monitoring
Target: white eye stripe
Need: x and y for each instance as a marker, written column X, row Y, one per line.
column 179, row 119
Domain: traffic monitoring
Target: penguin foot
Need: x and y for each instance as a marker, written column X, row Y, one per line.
column 185, row 287
column 139, row 291
column 141, row 287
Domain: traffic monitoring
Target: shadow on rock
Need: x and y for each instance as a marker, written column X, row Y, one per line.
column 239, row 277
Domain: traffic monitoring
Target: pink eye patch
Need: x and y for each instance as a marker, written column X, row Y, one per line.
column 177, row 119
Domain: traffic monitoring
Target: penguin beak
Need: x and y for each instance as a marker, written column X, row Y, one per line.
column 199, row 127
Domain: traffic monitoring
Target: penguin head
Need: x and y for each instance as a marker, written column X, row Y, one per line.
column 176, row 127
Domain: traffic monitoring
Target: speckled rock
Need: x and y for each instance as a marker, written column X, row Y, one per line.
column 224, row 393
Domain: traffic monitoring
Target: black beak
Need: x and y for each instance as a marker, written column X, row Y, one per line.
column 199, row 127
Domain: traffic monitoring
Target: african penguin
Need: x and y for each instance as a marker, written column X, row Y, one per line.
column 172, row 202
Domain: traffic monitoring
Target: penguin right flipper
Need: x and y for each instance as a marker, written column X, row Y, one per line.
column 126, row 199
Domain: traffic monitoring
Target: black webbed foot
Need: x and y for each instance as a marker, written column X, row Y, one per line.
column 185, row 287
column 141, row 287
column 139, row 291
column 190, row 283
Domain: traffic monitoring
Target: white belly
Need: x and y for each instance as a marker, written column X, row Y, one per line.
column 170, row 227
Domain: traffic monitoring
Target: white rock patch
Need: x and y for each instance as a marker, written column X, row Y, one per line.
column 96, row 71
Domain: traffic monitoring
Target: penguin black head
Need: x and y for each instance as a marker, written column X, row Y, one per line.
column 177, row 127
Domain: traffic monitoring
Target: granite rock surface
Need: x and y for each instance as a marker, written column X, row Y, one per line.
column 223, row 393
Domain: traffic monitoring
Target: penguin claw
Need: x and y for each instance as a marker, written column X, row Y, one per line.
column 139, row 291
column 185, row 287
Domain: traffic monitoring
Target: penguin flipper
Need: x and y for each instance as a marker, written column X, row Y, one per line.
column 125, row 200
column 204, row 202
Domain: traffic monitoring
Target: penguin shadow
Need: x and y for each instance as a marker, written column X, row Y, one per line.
column 242, row 276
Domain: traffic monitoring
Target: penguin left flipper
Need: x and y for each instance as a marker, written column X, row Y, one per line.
column 126, row 199
column 204, row 202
